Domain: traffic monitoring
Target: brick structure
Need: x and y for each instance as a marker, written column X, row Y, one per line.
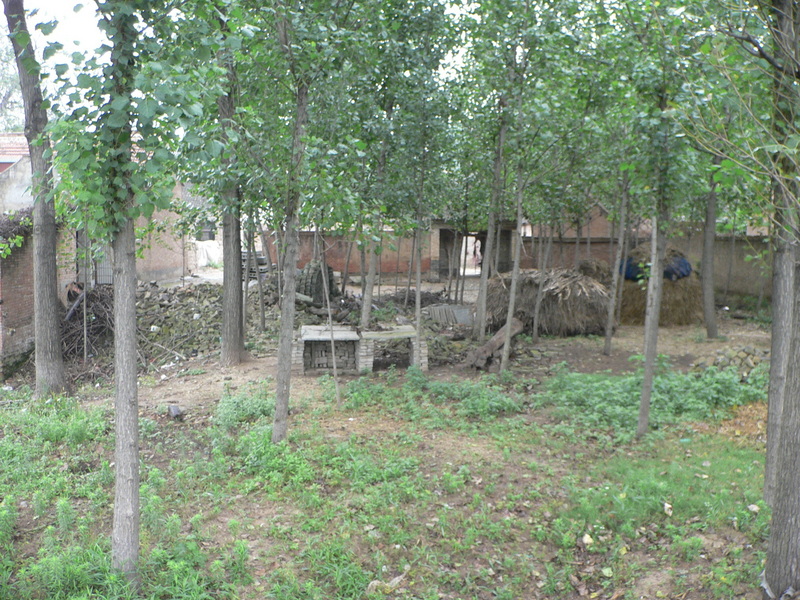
column 355, row 351
column 16, row 307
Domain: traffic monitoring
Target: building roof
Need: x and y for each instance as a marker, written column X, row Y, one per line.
column 13, row 146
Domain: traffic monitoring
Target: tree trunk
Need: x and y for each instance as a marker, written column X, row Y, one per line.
column 50, row 378
column 783, row 550
column 512, row 294
column 346, row 270
column 232, row 345
column 615, row 273
column 326, row 296
column 545, row 264
column 782, row 569
column 707, row 263
column 262, row 319
column 250, row 262
column 783, row 284
column 283, row 380
column 412, row 260
column 731, row 258
column 655, row 285
column 369, row 286
column 125, row 532
column 479, row 328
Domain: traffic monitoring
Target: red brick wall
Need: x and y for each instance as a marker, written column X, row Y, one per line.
column 16, row 310
column 395, row 256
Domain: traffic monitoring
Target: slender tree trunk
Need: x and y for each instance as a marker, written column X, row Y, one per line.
column 479, row 328
column 125, row 531
column 414, row 243
column 512, row 294
column 655, row 285
column 418, row 298
column 50, row 378
column 731, row 258
column 259, row 283
column 327, row 298
column 537, row 306
column 249, row 263
column 346, row 271
column 369, row 286
column 284, row 378
column 626, row 240
column 707, row 264
column 615, row 275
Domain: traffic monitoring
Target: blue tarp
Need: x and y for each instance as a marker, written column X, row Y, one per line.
column 676, row 269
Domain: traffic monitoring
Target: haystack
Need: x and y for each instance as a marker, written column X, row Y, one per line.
column 572, row 304
column 682, row 295
column 681, row 302
column 597, row 269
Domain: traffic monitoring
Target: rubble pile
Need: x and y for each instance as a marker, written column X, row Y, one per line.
column 743, row 358
column 179, row 322
column 173, row 323
column 399, row 298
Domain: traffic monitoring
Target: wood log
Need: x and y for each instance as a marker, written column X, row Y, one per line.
column 479, row 357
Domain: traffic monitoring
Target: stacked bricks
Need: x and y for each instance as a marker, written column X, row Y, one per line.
column 317, row 355
column 419, row 356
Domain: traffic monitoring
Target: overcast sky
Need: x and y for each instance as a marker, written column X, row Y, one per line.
column 77, row 30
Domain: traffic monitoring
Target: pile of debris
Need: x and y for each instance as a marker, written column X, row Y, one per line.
column 743, row 358
column 407, row 299
column 173, row 323
column 88, row 322
column 572, row 303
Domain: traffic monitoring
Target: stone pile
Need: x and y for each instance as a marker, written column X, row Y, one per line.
column 178, row 322
column 743, row 358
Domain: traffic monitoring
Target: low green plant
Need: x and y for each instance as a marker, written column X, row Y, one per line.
column 603, row 401
column 245, row 405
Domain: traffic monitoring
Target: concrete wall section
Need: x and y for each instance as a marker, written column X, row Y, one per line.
column 15, row 186
column 165, row 254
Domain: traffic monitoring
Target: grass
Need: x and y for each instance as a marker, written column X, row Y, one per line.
column 470, row 488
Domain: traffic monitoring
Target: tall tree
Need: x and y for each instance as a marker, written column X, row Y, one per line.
column 118, row 122
column 50, row 378
column 782, row 573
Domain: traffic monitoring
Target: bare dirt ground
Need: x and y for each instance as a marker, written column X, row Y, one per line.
column 198, row 384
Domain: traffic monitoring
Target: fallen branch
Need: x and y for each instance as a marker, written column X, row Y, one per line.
column 478, row 358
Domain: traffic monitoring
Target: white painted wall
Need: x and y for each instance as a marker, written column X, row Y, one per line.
column 15, row 186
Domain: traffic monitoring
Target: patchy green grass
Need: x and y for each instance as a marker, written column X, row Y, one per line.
column 415, row 488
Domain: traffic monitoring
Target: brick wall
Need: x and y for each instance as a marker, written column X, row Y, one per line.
column 16, row 305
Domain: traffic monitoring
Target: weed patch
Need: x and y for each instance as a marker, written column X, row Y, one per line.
column 603, row 402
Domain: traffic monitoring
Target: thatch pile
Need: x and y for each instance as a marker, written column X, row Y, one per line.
column 572, row 303
column 596, row 269
column 681, row 302
column 682, row 296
